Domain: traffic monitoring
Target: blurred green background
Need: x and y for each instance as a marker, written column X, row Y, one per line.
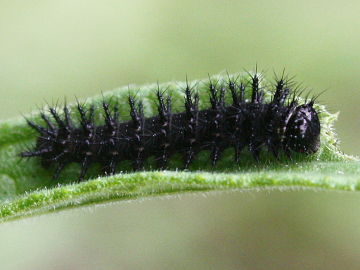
column 55, row 49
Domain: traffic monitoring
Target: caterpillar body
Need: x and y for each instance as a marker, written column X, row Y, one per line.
column 281, row 124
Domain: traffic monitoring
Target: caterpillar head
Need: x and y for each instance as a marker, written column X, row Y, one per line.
column 303, row 130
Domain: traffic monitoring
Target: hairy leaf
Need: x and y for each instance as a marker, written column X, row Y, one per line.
column 26, row 188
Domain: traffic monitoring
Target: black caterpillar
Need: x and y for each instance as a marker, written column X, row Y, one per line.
column 282, row 124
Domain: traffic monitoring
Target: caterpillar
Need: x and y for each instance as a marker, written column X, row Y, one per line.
column 282, row 124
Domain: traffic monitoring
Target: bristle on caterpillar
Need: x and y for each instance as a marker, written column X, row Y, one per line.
column 281, row 124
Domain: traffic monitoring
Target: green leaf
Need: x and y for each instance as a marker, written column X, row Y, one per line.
column 26, row 188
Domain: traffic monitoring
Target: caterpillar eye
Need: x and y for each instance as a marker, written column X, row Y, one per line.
column 303, row 130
